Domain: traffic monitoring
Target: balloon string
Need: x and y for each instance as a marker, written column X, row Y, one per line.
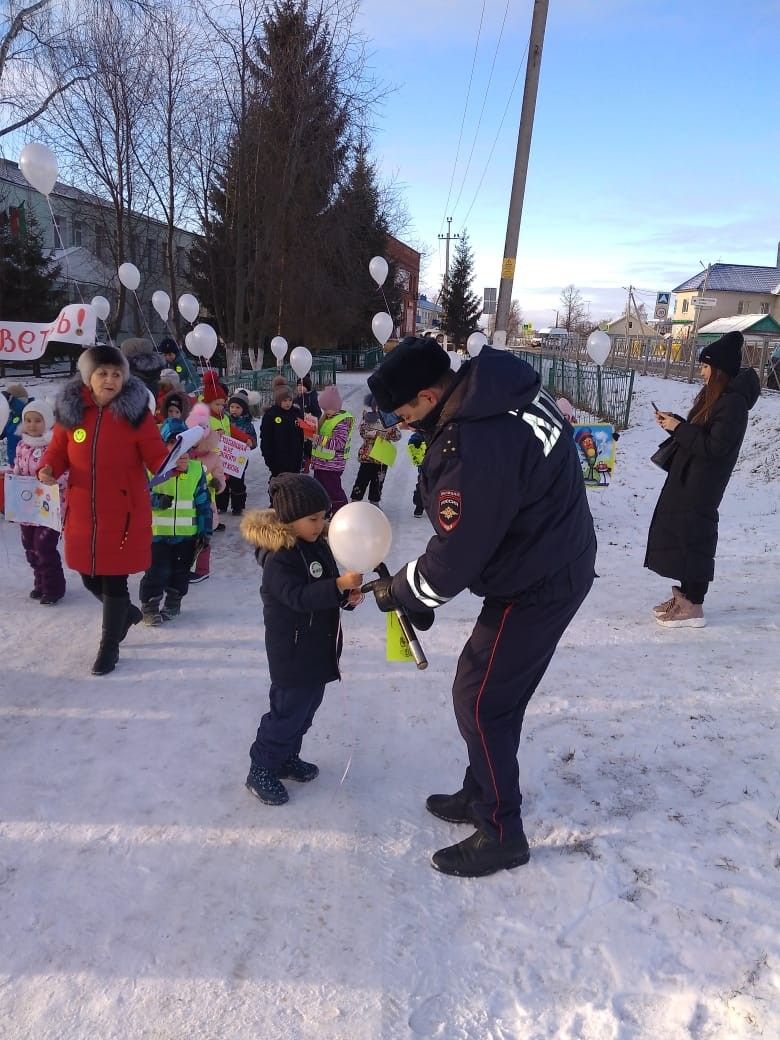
column 68, row 276
column 143, row 318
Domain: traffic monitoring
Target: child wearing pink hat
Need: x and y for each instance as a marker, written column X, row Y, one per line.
column 331, row 445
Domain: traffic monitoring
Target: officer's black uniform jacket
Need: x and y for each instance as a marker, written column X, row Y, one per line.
column 502, row 486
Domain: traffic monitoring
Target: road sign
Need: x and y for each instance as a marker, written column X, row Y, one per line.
column 704, row 301
column 662, row 301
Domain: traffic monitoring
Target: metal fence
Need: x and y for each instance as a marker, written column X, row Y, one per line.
column 653, row 355
column 602, row 392
column 323, row 372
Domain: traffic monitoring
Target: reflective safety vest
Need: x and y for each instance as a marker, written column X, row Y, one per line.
column 180, row 518
column 223, row 424
column 417, row 453
column 321, row 450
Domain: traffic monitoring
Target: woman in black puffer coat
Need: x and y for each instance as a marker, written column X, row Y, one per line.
column 683, row 533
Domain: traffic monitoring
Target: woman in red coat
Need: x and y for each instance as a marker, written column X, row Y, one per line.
column 106, row 439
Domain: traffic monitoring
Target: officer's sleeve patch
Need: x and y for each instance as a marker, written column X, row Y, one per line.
column 450, row 510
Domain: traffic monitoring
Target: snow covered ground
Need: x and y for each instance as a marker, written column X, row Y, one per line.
column 145, row 894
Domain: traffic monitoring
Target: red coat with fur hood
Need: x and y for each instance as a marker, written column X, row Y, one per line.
column 107, row 451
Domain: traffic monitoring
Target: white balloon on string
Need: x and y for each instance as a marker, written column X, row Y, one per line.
column 455, row 360
column 301, row 361
column 360, row 536
column 205, row 340
column 191, row 344
column 102, row 307
column 129, row 276
column 161, row 302
column 382, row 326
column 39, row 166
column 189, row 308
column 279, row 347
column 598, row 346
column 475, row 343
column 378, row 270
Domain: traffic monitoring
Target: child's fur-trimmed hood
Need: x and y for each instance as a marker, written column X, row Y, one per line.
column 263, row 529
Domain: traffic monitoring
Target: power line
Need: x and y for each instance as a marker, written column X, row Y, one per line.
column 482, row 110
column 498, row 134
column 463, row 120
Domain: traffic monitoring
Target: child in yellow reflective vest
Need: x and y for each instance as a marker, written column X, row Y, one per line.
column 181, row 524
column 331, row 445
column 376, row 454
column 416, row 448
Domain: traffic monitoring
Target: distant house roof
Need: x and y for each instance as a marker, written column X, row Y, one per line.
column 735, row 278
column 746, row 323
column 424, row 304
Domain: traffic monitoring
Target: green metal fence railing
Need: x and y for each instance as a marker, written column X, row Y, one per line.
column 600, row 391
column 323, row 372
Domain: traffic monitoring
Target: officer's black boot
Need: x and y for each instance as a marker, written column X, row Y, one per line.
column 114, row 621
column 481, row 854
column 454, row 808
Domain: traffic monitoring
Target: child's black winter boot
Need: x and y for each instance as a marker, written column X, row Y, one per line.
column 296, row 769
column 266, row 785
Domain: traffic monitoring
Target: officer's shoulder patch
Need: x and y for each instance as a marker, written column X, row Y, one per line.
column 450, row 509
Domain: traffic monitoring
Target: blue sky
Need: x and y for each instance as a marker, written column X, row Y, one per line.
column 655, row 141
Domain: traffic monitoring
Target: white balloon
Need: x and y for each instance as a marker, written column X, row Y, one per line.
column 455, row 360
column 191, row 344
column 203, row 339
column 360, row 536
column 5, row 411
column 301, row 360
column 565, row 407
column 382, row 326
column 39, row 166
column 475, row 343
column 278, row 347
column 102, row 307
column 161, row 302
column 189, row 308
column 129, row 276
column 152, row 401
column 378, row 270
column 598, row 346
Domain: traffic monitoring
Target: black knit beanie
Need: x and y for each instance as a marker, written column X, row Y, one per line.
column 724, row 353
column 294, row 495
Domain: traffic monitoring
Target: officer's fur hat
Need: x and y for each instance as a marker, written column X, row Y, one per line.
column 414, row 365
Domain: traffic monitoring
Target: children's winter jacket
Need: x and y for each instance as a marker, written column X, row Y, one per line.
column 332, row 444
column 300, row 602
column 181, row 506
column 370, row 429
column 12, row 430
column 281, row 440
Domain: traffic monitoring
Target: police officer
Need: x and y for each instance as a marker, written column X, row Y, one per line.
column 503, row 488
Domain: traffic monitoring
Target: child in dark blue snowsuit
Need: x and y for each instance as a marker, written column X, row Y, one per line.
column 302, row 594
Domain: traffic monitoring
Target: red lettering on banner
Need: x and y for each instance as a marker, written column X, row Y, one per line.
column 7, row 342
column 63, row 325
column 26, row 340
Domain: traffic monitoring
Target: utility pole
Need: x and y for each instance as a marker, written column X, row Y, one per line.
column 448, row 238
column 532, row 69
column 695, row 331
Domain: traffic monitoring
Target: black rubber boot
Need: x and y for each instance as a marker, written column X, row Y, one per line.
column 454, row 808
column 172, row 606
column 480, row 855
column 134, row 615
column 114, row 621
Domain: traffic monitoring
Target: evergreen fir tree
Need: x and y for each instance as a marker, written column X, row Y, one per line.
column 28, row 290
column 462, row 307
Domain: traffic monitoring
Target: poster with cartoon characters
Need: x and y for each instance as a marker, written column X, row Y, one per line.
column 596, row 449
column 27, row 501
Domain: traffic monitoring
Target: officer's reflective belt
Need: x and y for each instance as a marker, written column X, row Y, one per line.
column 421, row 589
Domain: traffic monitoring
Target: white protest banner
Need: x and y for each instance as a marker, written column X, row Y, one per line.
column 182, row 444
column 26, row 340
column 234, row 455
column 27, row 501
